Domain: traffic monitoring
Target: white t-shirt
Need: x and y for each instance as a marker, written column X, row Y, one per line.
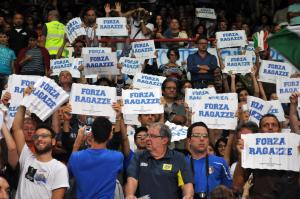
column 39, row 179
column 140, row 35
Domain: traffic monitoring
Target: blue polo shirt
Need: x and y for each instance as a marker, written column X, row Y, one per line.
column 218, row 173
column 7, row 56
column 160, row 178
column 194, row 60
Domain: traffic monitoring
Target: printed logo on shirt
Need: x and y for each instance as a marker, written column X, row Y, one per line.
column 30, row 173
column 167, row 167
column 40, row 177
column 34, row 175
column 211, row 169
column 144, row 164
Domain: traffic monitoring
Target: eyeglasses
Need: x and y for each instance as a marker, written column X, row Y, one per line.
column 221, row 146
column 200, row 135
column 171, row 54
column 154, row 136
column 203, row 43
column 171, row 88
column 36, row 136
column 141, row 136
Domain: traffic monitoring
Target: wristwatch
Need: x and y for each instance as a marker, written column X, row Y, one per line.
column 142, row 21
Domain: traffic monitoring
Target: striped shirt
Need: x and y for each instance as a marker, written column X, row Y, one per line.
column 36, row 65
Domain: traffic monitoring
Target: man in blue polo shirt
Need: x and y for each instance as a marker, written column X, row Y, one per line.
column 202, row 65
column 209, row 170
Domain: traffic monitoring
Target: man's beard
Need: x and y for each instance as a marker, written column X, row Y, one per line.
column 91, row 22
column 46, row 149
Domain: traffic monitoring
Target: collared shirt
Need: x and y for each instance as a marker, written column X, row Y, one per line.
column 194, row 60
column 218, row 173
column 160, row 178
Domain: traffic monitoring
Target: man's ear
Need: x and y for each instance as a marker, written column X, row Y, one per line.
column 53, row 140
column 111, row 135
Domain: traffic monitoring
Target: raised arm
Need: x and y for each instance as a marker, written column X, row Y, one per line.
column 18, row 123
column 13, row 156
column 293, row 113
column 254, row 81
column 262, row 91
column 121, row 127
column 17, row 128
column 228, row 148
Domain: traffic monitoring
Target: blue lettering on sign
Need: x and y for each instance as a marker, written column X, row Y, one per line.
column 230, row 37
column 92, row 100
column 47, row 87
column 61, row 64
column 257, row 105
column 148, row 98
column 26, row 83
column 142, row 101
column 18, row 90
column 255, row 114
column 12, row 111
column 96, row 92
column 44, row 98
column 216, row 114
column 270, row 141
column 270, row 151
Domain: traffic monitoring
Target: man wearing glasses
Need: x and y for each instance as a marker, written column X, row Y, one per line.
column 159, row 171
column 174, row 112
column 41, row 176
column 209, row 170
column 202, row 65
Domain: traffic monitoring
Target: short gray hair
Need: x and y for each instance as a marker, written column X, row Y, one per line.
column 164, row 130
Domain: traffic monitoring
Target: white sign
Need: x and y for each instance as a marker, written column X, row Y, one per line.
column 131, row 66
column 112, row 26
column 142, row 80
column 95, row 50
column 238, row 64
column 75, row 65
column 207, row 13
column 16, row 86
column 216, row 113
column 223, row 96
column 58, row 65
column 286, row 87
column 131, row 119
column 105, row 64
column 277, row 110
column 257, row 108
column 192, row 96
column 143, row 49
column 270, row 71
column 278, row 151
column 93, row 100
column 178, row 132
column 229, row 39
column 45, row 98
column 146, row 101
column 74, row 29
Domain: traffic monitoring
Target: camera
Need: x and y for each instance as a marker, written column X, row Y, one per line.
column 88, row 122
